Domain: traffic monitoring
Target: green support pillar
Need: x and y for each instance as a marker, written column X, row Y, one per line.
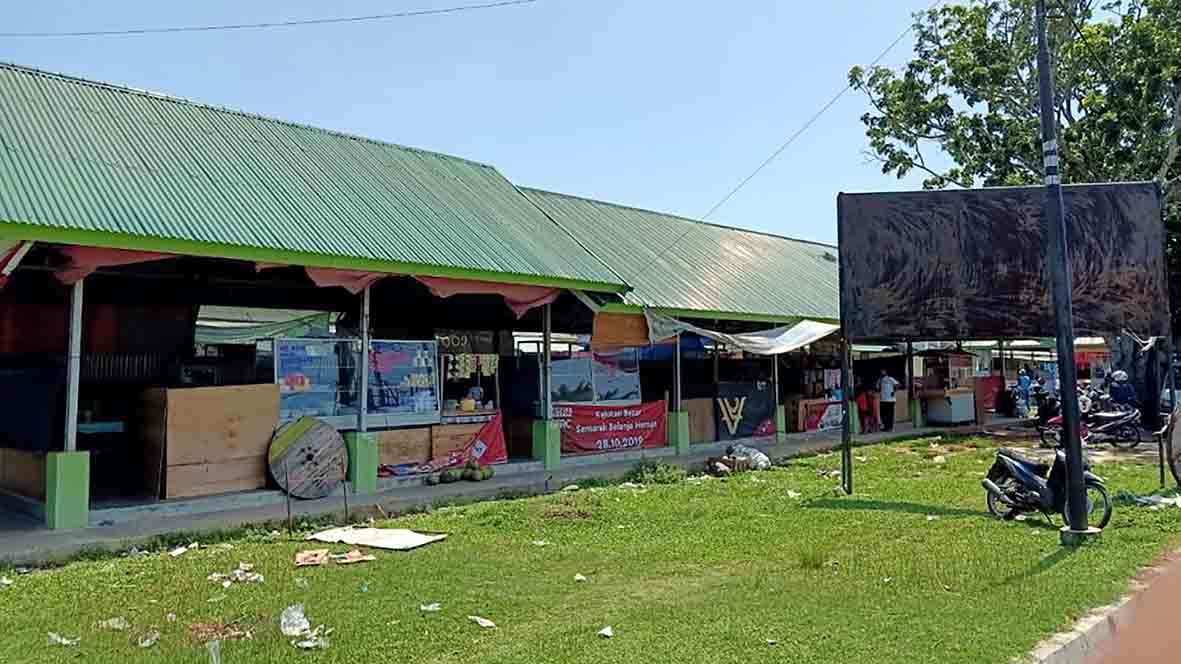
column 780, row 423
column 67, row 490
column 854, row 418
column 363, row 461
column 547, row 443
column 916, row 414
column 678, row 432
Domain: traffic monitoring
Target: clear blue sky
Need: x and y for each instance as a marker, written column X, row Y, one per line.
column 660, row 104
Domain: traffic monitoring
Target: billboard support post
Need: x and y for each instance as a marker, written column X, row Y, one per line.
column 1058, row 254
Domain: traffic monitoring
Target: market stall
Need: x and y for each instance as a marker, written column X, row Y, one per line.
column 948, row 387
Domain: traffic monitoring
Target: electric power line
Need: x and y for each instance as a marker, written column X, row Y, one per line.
column 791, row 139
column 266, row 25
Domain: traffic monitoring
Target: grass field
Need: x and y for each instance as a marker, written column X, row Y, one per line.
column 910, row 569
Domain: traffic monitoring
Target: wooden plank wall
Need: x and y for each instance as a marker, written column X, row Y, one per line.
column 23, row 472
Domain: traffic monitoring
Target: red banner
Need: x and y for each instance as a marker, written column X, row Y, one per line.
column 823, row 415
column 595, row 429
column 487, row 447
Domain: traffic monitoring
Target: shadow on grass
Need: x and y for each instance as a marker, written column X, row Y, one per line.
column 1044, row 565
column 899, row 506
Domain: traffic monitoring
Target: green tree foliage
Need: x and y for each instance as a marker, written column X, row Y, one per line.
column 971, row 93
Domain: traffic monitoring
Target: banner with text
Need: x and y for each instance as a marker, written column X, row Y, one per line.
column 595, row 429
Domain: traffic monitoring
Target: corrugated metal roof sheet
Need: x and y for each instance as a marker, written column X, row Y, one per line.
column 711, row 268
column 84, row 156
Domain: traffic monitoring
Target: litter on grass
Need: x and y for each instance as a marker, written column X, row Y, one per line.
column 5, row 582
column 931, row 517
column 570, row 487
column 117, row 624
column 607, row 632
column 148, row 640
column 314, row 640
column 213, row 632
column 293, row 622
column 301, row 583
column 311, row 558
column 214, row 648
column 244, row 574
column 170, row 617
column 394, row 539
column 1151, row 502
column 793, row 494
column 482, row 622
column 56, row 639
column 631, row 485
column 433, row 607
column 182, row 550
column 354, row 556
column 939, row 459
column 216, row 598
column 578, row 578
column 539, row 542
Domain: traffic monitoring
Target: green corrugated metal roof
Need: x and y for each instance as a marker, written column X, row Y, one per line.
column 709, row 269
column 90, row 163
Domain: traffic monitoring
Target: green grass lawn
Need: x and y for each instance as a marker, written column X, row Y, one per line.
column 697, row 571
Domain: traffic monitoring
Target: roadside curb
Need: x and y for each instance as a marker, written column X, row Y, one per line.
column 1109, row 633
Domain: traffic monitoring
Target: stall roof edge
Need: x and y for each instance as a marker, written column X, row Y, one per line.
column 89, row 156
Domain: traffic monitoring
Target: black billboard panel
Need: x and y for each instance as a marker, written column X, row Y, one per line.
column 971, row 264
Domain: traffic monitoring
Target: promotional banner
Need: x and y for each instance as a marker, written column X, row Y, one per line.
column 745, row 410
column 823, row 416
column 487, row 447
column 593, row 429
column 308, row 374
column 402, row 383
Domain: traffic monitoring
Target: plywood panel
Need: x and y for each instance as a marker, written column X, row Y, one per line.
column 702, row 427
column 149, row 432
column 203, row 479
column 402, row 446
column 448, row 437
column 612, row 330
column 213, row 424
column 23, row 472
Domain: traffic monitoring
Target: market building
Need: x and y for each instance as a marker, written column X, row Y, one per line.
column 178, row 281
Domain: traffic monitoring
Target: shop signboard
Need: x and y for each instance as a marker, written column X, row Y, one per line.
column 745, row 410
column 589, row 429
column 308, row 374
column 403, row 383
column 466, row 341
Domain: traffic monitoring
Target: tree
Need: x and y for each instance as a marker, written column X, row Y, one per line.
column 971, row 93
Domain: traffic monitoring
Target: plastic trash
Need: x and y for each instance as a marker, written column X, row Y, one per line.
column 117, row 624
column 214, row 648
column 539, row 542
column 56, row 639
column 5, row 582
column 758, row 460
column 570, row 487
column 793, row 494
column 433, row 607
column 315, row 640
column 607, row 632
column 170, row 617
column 578, row 578
column 482, row 622
column 292, row 622
column 148, row 640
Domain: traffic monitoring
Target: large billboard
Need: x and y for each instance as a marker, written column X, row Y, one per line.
column 971, row 264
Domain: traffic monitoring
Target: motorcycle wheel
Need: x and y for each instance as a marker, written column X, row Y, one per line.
column 1098, row 506
column 995, row 506
column 1126, row 437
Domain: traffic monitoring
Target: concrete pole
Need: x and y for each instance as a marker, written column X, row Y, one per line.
column 775, row 378
column 74, row 367
column 363, row 367
column 547, row 364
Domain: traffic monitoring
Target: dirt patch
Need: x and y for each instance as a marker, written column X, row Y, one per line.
column 567, row 513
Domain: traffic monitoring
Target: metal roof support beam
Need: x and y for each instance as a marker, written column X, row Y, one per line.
column 7, row 267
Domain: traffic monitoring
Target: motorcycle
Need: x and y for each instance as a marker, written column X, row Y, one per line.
column 1016, row 485
column 1121, row 428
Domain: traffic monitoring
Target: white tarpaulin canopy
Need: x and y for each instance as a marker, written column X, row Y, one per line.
column 764, row 342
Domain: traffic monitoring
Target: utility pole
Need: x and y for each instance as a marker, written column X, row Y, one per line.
column 1058, row 255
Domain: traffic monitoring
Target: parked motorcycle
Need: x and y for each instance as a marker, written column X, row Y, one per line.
column 1121, row 428
column 1017, row 485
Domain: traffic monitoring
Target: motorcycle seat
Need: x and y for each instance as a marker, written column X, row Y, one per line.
column 1109, row 416
column 1037, row 467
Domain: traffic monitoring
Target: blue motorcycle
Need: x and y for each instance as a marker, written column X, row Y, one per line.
column 1017, row 485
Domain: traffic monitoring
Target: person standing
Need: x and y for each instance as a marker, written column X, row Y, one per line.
column 887, row 388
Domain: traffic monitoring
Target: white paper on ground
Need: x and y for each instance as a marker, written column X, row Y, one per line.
column 394, row 539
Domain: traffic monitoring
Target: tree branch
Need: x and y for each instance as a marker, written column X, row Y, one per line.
column 1174, row 140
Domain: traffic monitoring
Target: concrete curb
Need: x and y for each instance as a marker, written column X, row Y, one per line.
column 1136, row 628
